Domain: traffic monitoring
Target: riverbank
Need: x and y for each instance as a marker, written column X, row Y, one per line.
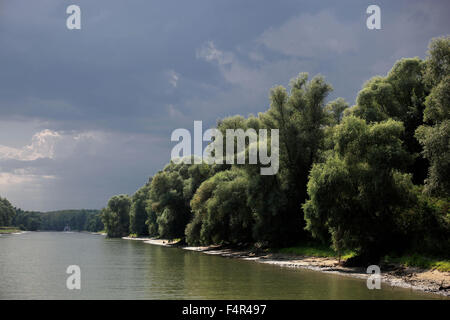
column 393, row 274
column 98, row 233
column 10, row 230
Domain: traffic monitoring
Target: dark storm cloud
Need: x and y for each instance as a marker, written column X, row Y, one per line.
column 113, row 71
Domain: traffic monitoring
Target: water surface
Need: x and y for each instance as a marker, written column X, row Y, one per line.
column 33, row 266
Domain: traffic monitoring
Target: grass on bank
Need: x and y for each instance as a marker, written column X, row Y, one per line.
column 316, row 251
column 410, row 260
column 6, row 230
column 420, row 261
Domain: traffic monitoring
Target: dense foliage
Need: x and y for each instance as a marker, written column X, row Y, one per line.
column 434, row 136
column 221, row 213
column 77, row 220
column 400, row 96
column 138, row 213
column 357, row 191
column 116, row 216
column 7, row 212
column 372, row 178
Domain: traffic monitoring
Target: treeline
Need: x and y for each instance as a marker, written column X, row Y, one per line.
column 372, row 178
column 7, row 212
column 77, row 220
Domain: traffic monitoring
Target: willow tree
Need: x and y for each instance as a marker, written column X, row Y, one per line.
column 221, row 213
column 7, row 212
column 336, row 109
column 276, row 200
column 138, row 212
column 400, row 96
column 116, row 216
column 357, row 192
column 434, row 136
column 300, row 117
column 170, row 194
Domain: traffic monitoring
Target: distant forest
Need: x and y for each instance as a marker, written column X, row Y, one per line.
column 77, row 220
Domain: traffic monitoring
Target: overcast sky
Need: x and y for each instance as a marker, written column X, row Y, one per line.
column 87, row 114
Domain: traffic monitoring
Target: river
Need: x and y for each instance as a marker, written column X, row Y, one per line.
column 33, row 266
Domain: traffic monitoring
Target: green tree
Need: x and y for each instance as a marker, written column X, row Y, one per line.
column 336, row 110
column 301, row 117
column 434, row 136
column 400, row 96
column 171, row 192
column 138, row 212
column 7, row 212
column 357, row 192
column 221, row 213
column 116, row 216
column 27, row 220
column 152, row 224
column 276, row 200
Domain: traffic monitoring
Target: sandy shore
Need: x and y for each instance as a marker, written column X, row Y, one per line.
column 19, row 232
column 98, row 233
column 433, row 281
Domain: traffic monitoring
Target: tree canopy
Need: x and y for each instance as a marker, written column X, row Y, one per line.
column 370, row 178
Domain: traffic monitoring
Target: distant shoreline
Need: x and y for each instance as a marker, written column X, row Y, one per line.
column 397, row 275
column 11, row 230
